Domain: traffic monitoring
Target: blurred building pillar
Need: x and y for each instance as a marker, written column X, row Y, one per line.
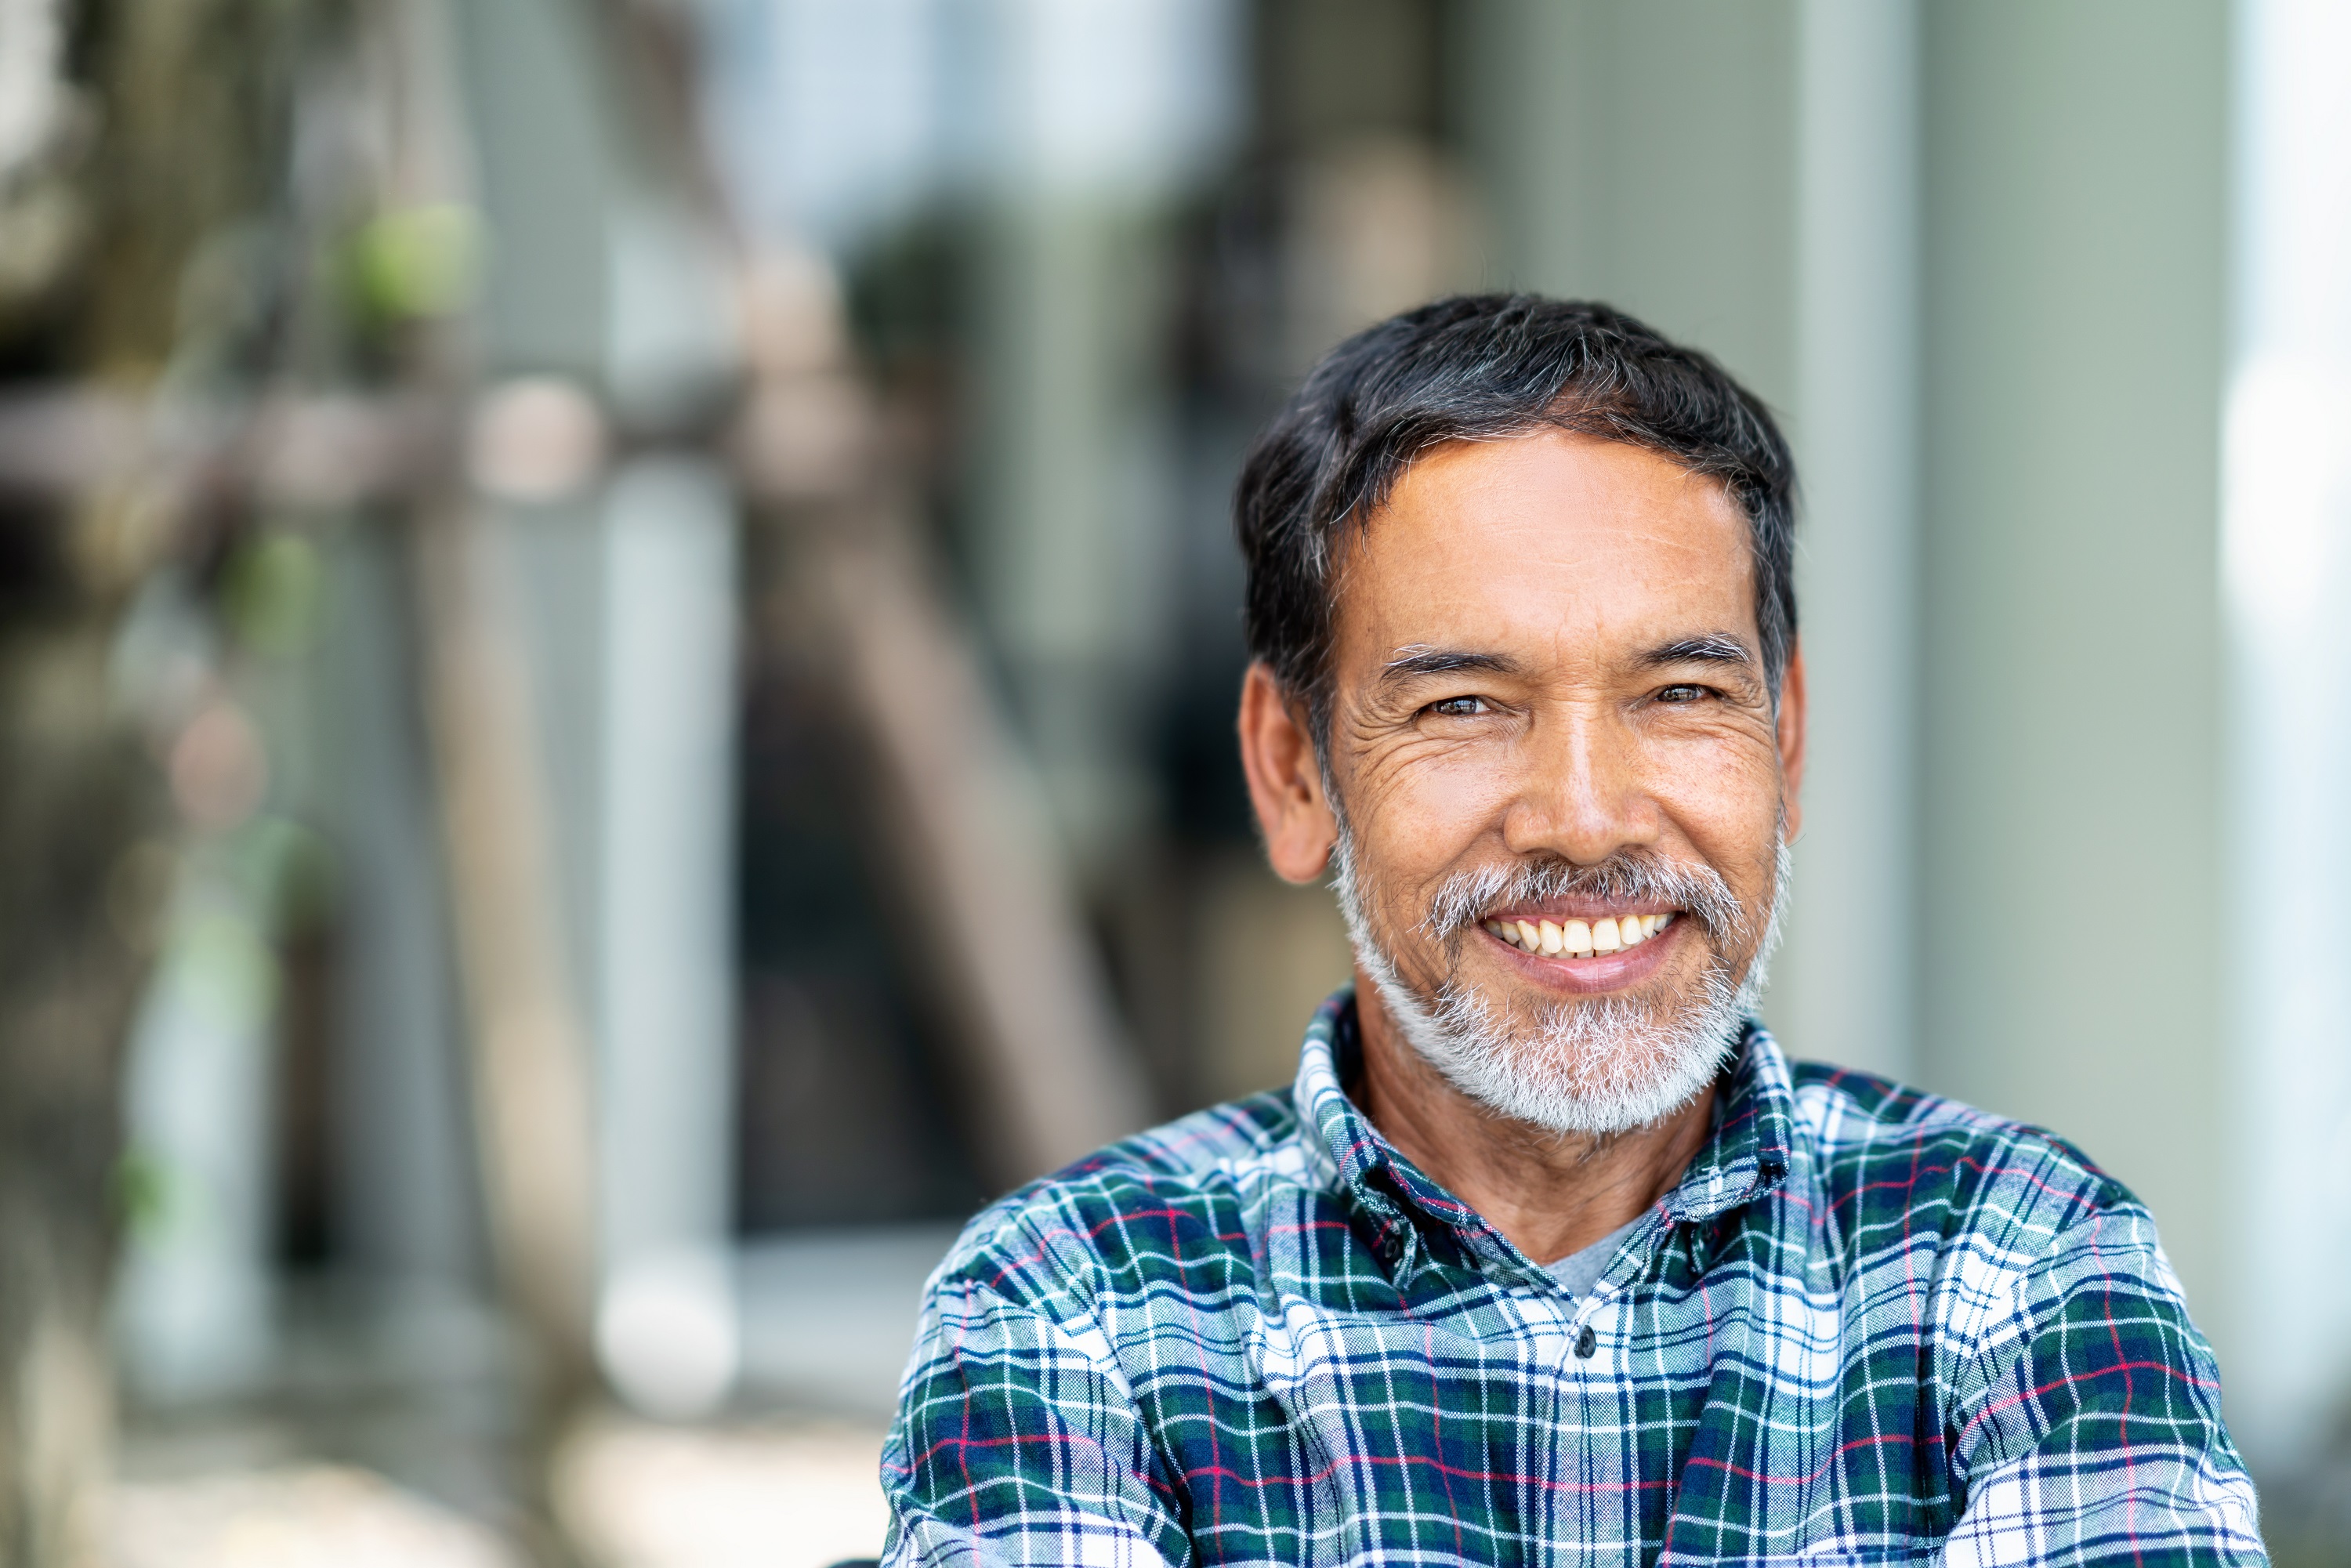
column 196, row 1300
column 2075, row 209
column 627, row 604
column 1077, row 487
column 407, row 1212
column 2288, row 564
column 1846, row 989
column 1098, row 113
column 665, row 941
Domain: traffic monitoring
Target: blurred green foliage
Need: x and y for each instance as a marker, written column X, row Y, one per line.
column 271, row 593
column 415, row 264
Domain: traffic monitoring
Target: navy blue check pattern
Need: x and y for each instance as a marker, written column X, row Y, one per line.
column 1868, row 1326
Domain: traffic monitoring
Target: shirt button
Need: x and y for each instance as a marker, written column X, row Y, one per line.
column 1587, row 1342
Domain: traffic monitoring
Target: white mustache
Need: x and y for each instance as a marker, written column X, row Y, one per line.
column 1466, row 897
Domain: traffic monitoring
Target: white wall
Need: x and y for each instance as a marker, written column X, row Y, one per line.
column 2287, row 556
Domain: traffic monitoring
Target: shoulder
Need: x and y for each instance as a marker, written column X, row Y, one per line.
column 1895, row 1165
column 1168, row 1203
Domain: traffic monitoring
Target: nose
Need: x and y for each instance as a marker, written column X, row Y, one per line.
column 1581, row 789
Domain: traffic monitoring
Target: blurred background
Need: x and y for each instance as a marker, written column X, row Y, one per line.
column 618, row 637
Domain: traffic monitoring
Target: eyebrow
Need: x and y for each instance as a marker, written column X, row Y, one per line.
column 1713, row 648
column 1414, row 664
column 1419, row 663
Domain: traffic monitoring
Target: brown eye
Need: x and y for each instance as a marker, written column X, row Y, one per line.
column 1458, row 708
column 1681, row 694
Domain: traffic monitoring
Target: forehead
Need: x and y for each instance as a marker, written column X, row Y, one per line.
column 1552, row 538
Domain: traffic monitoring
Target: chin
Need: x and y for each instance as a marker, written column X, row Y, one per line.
column 1590, row 1067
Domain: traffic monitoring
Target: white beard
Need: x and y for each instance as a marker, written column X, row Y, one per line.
column 1594, row 1068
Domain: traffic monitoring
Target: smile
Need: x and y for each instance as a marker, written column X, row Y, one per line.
column 1580, row 939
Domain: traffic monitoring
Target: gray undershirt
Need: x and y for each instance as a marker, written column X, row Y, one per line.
column 1580, row 1270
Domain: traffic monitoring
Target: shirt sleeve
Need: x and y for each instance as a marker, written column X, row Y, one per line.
column 2089, row 1433
column 1018, row 1441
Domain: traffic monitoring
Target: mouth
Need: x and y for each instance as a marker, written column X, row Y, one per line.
column 1587, row 953
column 1578, row 937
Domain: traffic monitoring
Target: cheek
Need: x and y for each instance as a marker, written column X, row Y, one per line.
column 1726, row 799
column 1423, row 813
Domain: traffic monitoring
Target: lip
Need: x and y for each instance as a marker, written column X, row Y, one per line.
column 1600, row 973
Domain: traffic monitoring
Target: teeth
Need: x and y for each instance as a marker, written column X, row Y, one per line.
column 1577, row 939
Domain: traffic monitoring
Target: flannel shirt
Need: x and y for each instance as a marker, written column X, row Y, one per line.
column 1868, row 1325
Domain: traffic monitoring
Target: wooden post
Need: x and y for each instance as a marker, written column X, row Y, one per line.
column 525, row 1044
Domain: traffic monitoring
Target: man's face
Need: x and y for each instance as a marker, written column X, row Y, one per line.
column 1561, row 776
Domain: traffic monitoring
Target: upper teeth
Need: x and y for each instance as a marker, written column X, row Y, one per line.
column 1578, row 939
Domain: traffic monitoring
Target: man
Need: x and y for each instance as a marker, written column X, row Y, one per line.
column 1549, row 1255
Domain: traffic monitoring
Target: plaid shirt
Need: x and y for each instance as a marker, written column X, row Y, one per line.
column 1868, row 1326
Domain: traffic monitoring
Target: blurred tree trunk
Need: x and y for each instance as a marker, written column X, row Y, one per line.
column 75, row 797
column 159, row 126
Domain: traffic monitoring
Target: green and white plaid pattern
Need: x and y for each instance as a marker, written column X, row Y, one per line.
column 1868, row 1326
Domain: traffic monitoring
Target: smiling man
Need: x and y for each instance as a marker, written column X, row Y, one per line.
column 1549, row 1254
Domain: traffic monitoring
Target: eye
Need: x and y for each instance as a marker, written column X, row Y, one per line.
column 1682, row 693
column 1457, row 707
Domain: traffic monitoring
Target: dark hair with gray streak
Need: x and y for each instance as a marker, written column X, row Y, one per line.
column 1479, row 367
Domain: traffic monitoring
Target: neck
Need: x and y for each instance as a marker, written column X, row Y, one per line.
column 1549, row 1193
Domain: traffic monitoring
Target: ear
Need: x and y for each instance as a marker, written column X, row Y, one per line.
column 1285, row 781
column 1794, row 716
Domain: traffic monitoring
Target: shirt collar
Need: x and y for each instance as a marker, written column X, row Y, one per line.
column 1745, row 1155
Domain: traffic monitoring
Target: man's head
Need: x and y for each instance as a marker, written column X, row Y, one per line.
column 1521, row 604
